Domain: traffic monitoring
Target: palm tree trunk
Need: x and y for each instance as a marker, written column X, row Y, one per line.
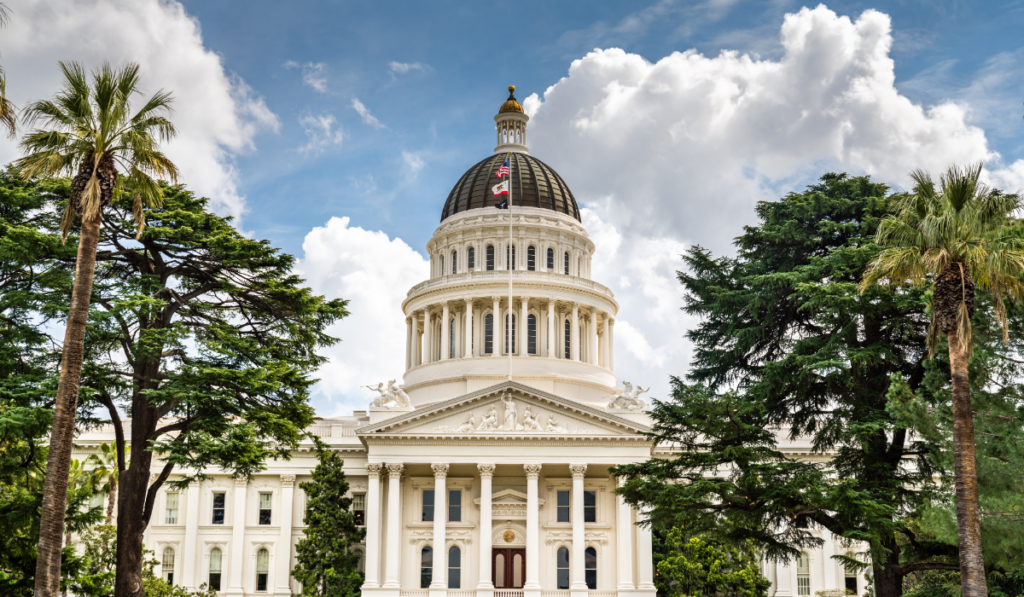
column 58, row 462
column 968, row 517
column 110, row 499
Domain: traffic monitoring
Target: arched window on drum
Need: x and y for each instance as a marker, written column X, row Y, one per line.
column 471, row 255
column 566, row 264
column 531, row 258
column 551, row 259
column 490, row 258
column 455, row 262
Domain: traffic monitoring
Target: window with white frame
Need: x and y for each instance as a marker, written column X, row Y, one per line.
column 171, row 507
column 455, row 262
column 490, row 258
column 167, row 565
column 562, row 505
column 551, row 259
column 850, row 579
column 266, row 508
column 589, row 506
column 426, row 566
column 359, row 508
column 511, row 349
column 562, row 567
column 451, row 339
column 803, row 575
column 590, row 567
column 531, row 258
column 428, row 505
column 531, row 334
column 568, row 339
column 215, row 567
column 454, row 568
column 471, row 255
column 510, row 262
column 218, row 508
column 262, row 570
column 488, row 333
column 455, row 505
column 566, row 272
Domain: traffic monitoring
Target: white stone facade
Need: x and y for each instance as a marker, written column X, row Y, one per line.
column 517, row 471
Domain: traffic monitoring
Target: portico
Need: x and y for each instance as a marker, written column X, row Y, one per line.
column 465, row 515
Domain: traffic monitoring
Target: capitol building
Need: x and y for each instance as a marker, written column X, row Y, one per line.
column 483, row 471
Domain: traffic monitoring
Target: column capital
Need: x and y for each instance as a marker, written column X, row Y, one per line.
column 525, row 298
column 408, row 320
column 288, row 481
column 496, row 299
column 468, row 301
column 443, row 303
column 373, row 469
column 440, row 470
column 486, row 470
column 576, row 304
column 578, row 470
column 532, row 470
column 395, row 469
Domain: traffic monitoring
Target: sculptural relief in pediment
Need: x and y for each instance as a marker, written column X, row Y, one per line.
column 509, row 416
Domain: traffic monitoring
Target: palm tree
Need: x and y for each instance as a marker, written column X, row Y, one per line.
column 956, row 236
column 88, row 132
column 107, row 471
column 8, row 113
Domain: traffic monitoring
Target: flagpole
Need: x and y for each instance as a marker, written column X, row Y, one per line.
column 510, row 327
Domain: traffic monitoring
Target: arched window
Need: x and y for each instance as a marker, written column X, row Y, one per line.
column 531, row 258
column 472, row 258
column 426, row 567
column 454, row 568
column 513, row 349
column 850, row 578
column 510, row 260
column 590, row 567
column 489, row 333
column 566, row 260
column 215, row 558
column 803, row 575
column 562, row 565
column 568, row 339
column 490, row 258
column 451, row 339
column 551, row 259
column 167, row 565
column 262, row 569
column 579, row 266
column 442, row 265
column 455, row 262
column 531, row 334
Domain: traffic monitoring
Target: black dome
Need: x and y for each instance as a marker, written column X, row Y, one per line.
column 534, row 184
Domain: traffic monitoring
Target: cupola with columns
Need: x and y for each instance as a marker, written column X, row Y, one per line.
column 562, row 320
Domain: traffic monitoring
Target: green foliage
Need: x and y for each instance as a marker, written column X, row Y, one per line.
column 704, row 567
column 155, row 586
column 98, row 562
column 34, row 289
column 327, row 566
column 788, row 346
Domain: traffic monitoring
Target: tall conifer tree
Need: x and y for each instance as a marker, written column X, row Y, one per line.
column 327, row 564
column 788, row 346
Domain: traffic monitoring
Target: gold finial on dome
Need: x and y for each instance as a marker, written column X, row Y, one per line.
column 511, row 105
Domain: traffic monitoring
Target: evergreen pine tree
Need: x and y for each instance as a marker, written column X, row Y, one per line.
column 327, row 564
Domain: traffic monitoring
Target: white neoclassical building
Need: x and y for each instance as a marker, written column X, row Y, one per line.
column 485, row 473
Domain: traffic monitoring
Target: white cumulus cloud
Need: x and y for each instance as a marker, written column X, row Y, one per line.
column 373, row 272
column 217, row 115
column 677, row 152
column 364, row 113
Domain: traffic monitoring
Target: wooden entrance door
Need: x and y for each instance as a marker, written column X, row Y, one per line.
column 508, row 567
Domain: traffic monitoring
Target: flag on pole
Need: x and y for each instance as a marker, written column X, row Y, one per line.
column 503, row 171
column 502, row 205
column 500, row 188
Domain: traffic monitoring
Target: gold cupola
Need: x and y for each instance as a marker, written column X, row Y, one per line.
column 511, row 125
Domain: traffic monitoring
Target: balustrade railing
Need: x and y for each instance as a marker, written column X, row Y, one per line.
column 517, row 275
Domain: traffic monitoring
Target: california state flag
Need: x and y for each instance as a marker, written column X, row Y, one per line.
column 500, row 189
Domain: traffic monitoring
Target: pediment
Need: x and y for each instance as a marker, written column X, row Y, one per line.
column 504, row 410
column 508, row 498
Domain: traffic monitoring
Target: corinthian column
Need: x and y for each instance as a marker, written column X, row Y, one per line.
column 577, row 573
column 484, row 584
column 524, row 329
column 188, row 576
column 437, row 581
column 592, row 345
column 605, row 344
column 532, row 586
column 284, row 549
column 467, row 343
column 372, row 573
column 446, row 335
column 645, row 560
column 428, row 341
column 393, row 543
column 574, row 332
column 497, row 330
column 551, row 327
column 624, row 537
column 408, row 343
column 238, row 523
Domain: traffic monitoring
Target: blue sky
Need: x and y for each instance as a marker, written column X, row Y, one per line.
column 336, row 129
column 470, row 51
